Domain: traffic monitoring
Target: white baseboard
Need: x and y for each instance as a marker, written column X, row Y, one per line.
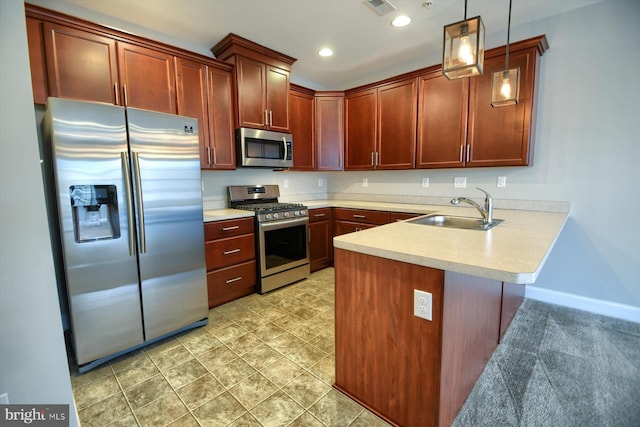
column 605, row 308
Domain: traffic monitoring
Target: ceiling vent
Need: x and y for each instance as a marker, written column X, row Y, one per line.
column 380, row 7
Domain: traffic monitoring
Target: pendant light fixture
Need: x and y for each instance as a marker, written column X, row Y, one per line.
column 463, row 48
column 505, row 85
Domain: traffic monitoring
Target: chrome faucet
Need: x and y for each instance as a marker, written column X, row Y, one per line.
column 486, row 212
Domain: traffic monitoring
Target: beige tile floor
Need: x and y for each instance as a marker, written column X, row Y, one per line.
column 263, row 360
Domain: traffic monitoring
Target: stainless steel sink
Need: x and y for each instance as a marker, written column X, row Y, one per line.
column 450, row 221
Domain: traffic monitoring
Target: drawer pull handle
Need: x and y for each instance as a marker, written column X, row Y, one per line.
column 232, row 251
column 235, row 227
column 235, row 279
column 359, row 216
column 318, row 215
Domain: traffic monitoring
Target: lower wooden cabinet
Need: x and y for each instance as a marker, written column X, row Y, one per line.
column 320, row 238
column 231, row 259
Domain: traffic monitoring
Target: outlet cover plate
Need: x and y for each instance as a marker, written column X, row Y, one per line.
column 422, row 304
column 460, row 182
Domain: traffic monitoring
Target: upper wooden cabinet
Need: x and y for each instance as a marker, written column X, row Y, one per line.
column 81, row 64
column 329, row 122
column 77, row 59
column 147, row 77
column 458, row 127
column 503, row 136
column 442, row 121
column 262, row 83
column 205, row 92
column 35, row 38
column 381, row 126
column 302, row 103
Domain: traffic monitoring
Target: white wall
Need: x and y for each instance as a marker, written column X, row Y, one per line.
column 33, row 360
column 587, row 152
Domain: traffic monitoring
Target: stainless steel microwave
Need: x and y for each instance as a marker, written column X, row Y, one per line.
column 263, row 148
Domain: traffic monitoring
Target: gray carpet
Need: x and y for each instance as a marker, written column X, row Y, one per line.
column 557, row 366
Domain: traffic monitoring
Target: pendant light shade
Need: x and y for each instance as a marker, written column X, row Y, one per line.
column 505, row 85
column 463, row 48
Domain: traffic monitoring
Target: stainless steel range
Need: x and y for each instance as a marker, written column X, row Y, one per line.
column 282, row 231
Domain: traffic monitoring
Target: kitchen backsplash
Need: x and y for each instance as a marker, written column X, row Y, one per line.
column 294, row 186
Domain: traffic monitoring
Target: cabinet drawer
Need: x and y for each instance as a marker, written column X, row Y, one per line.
column 230, row 279
column 225, row 252
column 319, row 214
column 229, row 228
column 363, row 215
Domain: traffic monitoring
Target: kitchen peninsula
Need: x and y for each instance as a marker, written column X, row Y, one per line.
column 418, row 372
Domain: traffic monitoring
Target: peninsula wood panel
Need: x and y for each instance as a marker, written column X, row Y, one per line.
column 387, row 358
column 512, row 296
column 470, row 332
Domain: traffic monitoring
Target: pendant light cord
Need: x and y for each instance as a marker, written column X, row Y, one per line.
column 465, row 9
column 508, row 32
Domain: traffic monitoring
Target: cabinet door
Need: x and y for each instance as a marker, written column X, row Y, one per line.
column 320, row 248
column 220, row 90
column 442, row 121
column 330, row 132
column 361, row 135
column 80, row 65
column 35, row 39
column 501, row 136
column 148, row 78
column 252, row 106
column 191, row 89
column 303, row 130
column 278, row 98
column 397, row 111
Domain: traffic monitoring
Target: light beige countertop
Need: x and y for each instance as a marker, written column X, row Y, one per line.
column 223, row 214
column 514, row 251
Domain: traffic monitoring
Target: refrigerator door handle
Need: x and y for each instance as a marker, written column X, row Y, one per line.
column 129, row 196
column 139, row 204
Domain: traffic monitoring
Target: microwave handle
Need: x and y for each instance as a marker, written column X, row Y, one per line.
column 284, row 141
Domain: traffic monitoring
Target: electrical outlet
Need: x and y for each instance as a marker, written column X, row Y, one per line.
column 365, row 182
column 425, row 182
column 320, row 182
column 460, row 182
column 422, row 303
column 286, row 183
column 502, row 182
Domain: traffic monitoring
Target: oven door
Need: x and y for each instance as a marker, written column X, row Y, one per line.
column 283, row 245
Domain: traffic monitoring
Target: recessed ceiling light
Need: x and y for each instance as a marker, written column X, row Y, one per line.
column 401, row 21
column 325, row 51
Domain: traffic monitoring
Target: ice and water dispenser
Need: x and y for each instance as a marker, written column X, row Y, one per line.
column 95, row 212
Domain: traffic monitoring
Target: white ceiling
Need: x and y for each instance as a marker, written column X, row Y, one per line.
column 362, row 40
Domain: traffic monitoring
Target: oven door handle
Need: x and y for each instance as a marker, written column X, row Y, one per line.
column 266, row 226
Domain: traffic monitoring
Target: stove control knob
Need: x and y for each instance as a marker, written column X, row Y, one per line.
column 275, row 216
column 286, row 214
column 268, row 216
column 297, row 213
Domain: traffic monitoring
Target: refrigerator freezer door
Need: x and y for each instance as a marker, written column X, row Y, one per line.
column 168, row 192
column 87, row 142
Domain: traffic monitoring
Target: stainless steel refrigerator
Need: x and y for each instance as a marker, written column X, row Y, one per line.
column 128, row 198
